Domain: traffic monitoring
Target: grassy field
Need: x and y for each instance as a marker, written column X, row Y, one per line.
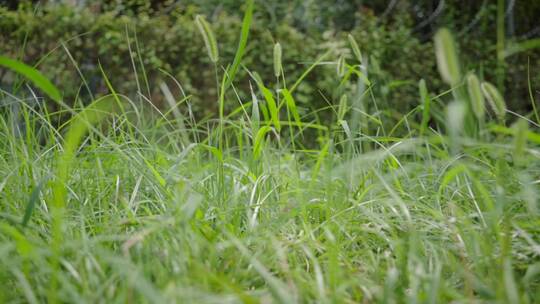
column 127, row 203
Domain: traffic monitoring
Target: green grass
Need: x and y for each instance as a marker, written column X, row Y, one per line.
column 153, row 206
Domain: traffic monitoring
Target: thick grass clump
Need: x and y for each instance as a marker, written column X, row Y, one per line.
column 123, row 203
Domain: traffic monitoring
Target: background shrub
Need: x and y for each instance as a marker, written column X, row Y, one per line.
column 162, row 37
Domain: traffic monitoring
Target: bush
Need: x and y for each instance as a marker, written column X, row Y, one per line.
column 171, row 43
column 164, row 38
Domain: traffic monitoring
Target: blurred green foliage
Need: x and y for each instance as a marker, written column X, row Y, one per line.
column 395, row 35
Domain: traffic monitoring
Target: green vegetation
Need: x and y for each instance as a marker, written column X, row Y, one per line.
column 262, row 195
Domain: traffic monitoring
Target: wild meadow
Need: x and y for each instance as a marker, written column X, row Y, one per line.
column 120, row 200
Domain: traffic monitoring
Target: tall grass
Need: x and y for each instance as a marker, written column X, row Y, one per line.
column 248, row 209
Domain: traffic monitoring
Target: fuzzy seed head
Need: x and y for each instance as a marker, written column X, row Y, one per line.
column 343, row 107
column 209, row 38
column 447, row 59
column 476, row 96
column 495, row 99
column 355, row 48
column 341, row 66
column 277, row 60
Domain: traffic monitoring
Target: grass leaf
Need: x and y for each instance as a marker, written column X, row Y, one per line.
column 34, row 198
column 242, row 43
column 291, row 105
column 33, row 75
column 258, row 143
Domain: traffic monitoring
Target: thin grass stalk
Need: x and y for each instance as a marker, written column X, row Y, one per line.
column 501, row 28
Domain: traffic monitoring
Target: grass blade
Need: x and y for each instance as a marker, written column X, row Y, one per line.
column 291, row 105
column 246, row 24
column 33, row 75
column 258, row 143
column 34, row 197
column 272, row 105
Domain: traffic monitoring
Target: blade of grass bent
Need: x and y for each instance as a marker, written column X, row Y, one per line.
column 291, row 105
column 33, row 75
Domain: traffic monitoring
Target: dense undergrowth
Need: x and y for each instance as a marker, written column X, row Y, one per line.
column 126, row 202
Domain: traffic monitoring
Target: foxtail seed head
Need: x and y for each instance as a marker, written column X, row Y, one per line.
column 343, row 107
column 447, row 59
column 355, row 48
column 495, row 99
column 208, row 36
column 340, row 67
column 277, row 60
column 476, row 96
